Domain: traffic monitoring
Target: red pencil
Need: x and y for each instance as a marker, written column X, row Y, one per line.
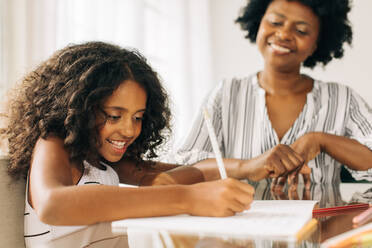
column 345, row 208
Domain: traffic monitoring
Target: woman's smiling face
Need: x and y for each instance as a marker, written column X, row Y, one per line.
column 288, row 34
column 123, row 114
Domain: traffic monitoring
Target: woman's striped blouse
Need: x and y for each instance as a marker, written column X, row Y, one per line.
column 240, row 119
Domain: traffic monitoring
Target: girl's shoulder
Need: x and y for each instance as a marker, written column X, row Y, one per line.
column 51, row 147
column 51, row 141
column 52, row 159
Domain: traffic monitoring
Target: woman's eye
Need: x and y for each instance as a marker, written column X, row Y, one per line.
column 138, row 118
column 302, row 32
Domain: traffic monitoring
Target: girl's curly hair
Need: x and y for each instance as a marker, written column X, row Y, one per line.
column 335, row 28
column 62, row 95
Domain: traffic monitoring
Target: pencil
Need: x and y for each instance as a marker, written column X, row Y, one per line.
column 216, row 150
column 363, row 217
column 363, row 239
column 339, row 209
column 307, row 230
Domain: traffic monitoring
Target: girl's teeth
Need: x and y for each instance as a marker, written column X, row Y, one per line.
column 118, row 144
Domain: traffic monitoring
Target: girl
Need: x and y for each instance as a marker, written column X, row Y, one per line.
column 89, row 117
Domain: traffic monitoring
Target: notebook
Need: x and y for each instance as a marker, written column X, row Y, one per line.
column 276, row 220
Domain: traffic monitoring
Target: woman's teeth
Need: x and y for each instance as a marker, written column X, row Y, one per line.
column 280, row 48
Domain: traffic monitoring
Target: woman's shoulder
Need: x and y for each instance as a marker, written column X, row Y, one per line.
column 332, row 88
column 330, row 84
column 238, row 82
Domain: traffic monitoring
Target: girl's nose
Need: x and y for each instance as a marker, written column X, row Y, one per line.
column 127, row 128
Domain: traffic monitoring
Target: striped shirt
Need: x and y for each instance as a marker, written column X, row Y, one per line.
column 243, row 129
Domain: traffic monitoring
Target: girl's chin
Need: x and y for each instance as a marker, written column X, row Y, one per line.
column 110, row 160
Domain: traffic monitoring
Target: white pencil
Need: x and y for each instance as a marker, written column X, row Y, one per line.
column 212, row 136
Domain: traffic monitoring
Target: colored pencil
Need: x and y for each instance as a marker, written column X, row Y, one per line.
column 340, row 209
column 363, row 217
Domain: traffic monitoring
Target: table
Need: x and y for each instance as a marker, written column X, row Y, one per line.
column 327, row 195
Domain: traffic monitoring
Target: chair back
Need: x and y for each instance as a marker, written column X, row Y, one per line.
column 12, row 205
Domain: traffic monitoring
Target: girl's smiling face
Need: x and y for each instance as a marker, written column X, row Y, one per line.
column 288, row 34
column 123, row 114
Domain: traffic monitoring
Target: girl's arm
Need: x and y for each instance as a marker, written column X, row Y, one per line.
column 58, row 201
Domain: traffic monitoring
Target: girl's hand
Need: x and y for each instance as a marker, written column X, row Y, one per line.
column 219, row 198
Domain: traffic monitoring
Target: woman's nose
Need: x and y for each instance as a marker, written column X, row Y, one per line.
column 284, row 33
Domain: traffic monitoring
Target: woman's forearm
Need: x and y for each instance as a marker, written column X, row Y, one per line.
column 252, row 169
column 346, row 151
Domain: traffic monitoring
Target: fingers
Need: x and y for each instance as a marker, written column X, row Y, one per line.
column 237, row 206
column 282, row 160
column 277, row 184
column 293, row 178
column 292, row 189
column 290, row 159
column 276, row 189
column 292, row 193
column 307, row 181
column 305, row 169
column 245, row 193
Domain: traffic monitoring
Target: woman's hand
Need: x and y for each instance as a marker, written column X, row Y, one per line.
column 308, row 146
column 163, row 179
column 276, row 162
column 219, row 198
column 277, row 190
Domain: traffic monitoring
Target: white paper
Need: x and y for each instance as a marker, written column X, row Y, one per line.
column 279, row 220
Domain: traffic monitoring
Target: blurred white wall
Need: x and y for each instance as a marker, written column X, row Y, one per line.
column 193, row 45
column 173, row 35
column 235, row 56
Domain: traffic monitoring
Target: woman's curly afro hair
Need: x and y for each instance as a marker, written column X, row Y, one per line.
column 61, row 98
column 335, row 28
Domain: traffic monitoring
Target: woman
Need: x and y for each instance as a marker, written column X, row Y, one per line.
column 278, row 114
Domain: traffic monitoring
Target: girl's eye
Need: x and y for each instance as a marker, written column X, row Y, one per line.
column 113, row 117
column 274, row 23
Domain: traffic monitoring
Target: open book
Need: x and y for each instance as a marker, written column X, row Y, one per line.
column 276, row 220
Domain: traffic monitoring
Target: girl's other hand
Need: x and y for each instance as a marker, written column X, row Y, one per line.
column 219, row 198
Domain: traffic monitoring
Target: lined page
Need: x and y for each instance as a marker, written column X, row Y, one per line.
column 279, row 220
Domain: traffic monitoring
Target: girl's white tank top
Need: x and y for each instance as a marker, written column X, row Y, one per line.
column 38, row 233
